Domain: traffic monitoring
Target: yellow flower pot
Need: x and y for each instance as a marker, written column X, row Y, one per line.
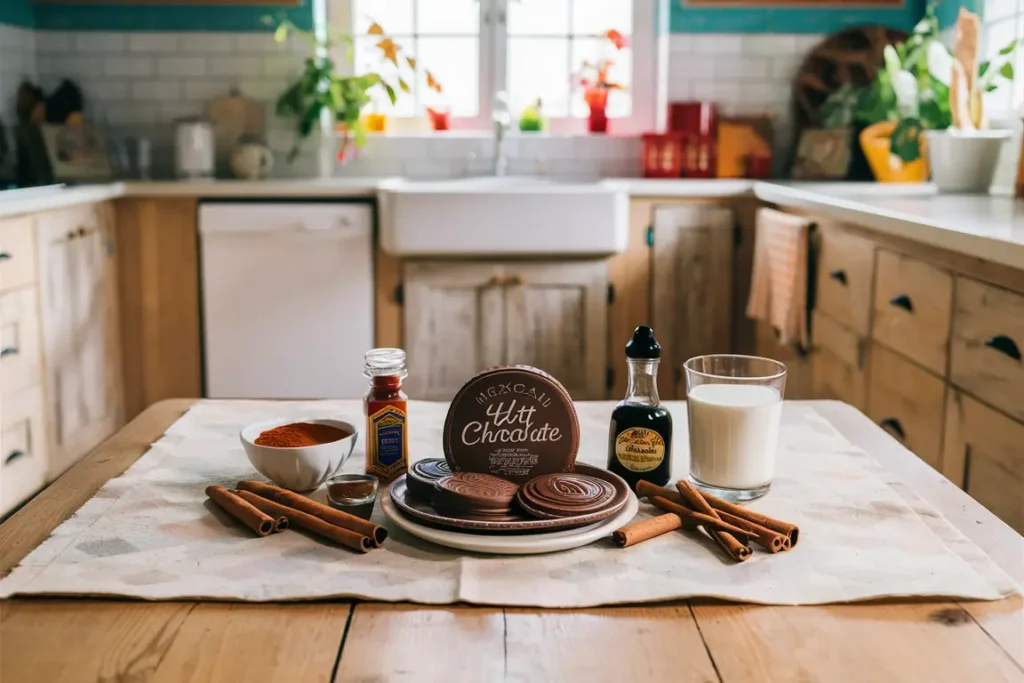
column 375, row 123
column 887, row 167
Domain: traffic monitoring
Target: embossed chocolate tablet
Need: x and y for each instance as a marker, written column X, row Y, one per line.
column 474, row 493
column 513, row 421
column 422, row 475
column 564, row 495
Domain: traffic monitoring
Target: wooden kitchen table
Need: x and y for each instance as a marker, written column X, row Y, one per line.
column 60, row 640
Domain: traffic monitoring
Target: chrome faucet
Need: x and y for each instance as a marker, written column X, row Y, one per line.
column 502, row 118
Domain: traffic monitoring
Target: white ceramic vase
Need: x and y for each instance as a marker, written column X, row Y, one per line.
column 964, row 162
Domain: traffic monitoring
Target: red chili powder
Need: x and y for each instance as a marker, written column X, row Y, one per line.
column 300, row 434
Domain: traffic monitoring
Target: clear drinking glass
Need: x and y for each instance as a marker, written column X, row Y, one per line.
column 734, row 406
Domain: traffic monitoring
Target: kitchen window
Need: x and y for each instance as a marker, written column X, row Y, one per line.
column 1004, row 22
column 529, row 49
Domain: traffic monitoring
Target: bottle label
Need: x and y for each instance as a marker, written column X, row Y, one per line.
column 386, row 442
column 639, row 449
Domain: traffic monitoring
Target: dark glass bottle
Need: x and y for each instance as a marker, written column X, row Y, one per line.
column 640, row 437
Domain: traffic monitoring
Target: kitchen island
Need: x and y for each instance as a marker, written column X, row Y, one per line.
column 920, row 640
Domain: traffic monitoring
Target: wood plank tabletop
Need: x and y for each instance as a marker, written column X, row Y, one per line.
column 72, row 640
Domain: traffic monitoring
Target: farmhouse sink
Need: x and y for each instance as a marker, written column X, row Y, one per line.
column 506, row 216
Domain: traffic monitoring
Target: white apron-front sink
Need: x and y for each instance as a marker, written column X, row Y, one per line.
column 508, row 216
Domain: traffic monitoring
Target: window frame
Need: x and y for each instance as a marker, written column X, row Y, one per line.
column 649, row 51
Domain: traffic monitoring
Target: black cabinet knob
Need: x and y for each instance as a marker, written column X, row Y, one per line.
column 894, row 426
column 839, row 275
column 902, row 301
column 14, row 455
column 1004, row 345
column 8, row 351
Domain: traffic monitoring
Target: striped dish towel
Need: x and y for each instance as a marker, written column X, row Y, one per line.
column 778, row 285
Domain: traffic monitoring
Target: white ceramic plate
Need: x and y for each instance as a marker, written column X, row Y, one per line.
column 513, row 544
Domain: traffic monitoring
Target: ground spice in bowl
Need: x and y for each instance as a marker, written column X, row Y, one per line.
column 300, row 434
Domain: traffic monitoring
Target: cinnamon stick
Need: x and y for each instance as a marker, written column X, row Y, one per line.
column 699, row 518
column 340, row 535
column 644, row 530
column 738, row 551
column 375, row 532
column 791, row 531
column 766, row 538
column 244, row 512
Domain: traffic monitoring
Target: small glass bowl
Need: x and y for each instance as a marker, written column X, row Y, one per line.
column 353, row 493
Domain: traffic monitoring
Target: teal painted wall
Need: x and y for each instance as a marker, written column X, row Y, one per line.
column 164, row 17
column 17, row 12
column 947, row 10
column 688, row 19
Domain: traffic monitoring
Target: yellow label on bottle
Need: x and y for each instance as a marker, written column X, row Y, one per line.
column 387, row 442
column 639, row 449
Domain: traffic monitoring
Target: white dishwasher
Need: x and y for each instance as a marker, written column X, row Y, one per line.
column 287, row 298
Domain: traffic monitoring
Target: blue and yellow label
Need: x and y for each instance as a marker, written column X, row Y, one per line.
column 386, row 442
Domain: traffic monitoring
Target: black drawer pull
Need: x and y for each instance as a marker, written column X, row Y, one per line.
column 8, row 351
column 892, row 424
column 839, row 275
column 5, row 255
column 902, row 301
column 1004, row 345
column 14, row 455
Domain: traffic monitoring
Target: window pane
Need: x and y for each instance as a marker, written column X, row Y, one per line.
column 368, row 59
column 454, row 62
column 448, row 16
column 538, row 17
column 395, row 16
column 594, row 17
column 594, row 50
column 539, row 67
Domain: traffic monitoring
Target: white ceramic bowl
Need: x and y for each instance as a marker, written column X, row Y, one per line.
column 303, row 468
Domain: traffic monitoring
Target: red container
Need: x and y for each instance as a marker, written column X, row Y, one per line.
column 699, row 156
column 700, row 118
column 663, row 155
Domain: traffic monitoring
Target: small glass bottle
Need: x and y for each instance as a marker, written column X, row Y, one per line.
column 387, row 441
column 640, row 436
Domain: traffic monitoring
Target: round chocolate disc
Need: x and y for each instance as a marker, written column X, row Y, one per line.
column 423, row 473
column 564, row 495
column 474, row 493
column 514, row 422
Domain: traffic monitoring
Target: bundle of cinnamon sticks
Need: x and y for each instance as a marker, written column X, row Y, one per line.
column 732, row 526
column 266, row 508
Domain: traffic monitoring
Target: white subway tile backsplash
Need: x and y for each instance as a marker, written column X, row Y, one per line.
column 261, row 89
column 717, row 43
column 740, row 68
column 255, row 42
column 105, row 90
column 281, row 65
column 55, row 41
column 769, row 44
column 785, row 68
column 100, row 41
column 207, row 42
column 206, row 89
column 128, row 66
column 160, row 90
column 236, row 66
column 153, row 42
column 182, row 67
column 180, row 109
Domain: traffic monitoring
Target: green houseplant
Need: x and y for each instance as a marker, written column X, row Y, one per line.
column 319, row 88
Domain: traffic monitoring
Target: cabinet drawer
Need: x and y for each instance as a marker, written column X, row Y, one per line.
column 913, row 307
column 987, row 343
column 983, row 453
column 17, row 253
column 845, row 271
column 23, row 461
column 908, row 402
column 838, row 362
column 20, row 352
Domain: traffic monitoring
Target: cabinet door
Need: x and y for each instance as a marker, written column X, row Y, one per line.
column 692, row 278
column 78, row 313
column 454, row 325
column 838, row 363
column 556, row 319
column 984, row 454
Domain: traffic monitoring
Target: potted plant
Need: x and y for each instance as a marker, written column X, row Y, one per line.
column 964, row 155
column 906, row 98
column 596, row 83
column 320, row 89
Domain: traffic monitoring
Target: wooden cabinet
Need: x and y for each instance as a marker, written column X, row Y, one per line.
column 691, row 288
column 79, row 321
column 461, row 318
column 845, row 271
column 23, row 449
column 983, row 452
column 838, row 362
column 912, row 308
column 17, row 253
column 908, row 402
column 987, row 343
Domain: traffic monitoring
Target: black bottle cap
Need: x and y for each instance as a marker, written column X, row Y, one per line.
column 643, row 344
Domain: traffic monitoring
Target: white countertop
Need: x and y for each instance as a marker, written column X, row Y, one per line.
column 986, row 227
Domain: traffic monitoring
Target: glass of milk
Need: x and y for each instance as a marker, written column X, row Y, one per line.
column 734, row 404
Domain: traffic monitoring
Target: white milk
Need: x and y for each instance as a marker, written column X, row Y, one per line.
column 734, row 432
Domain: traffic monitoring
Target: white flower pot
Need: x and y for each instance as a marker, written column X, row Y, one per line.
column 964, row 161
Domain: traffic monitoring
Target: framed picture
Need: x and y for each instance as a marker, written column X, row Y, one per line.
column 77, row 153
